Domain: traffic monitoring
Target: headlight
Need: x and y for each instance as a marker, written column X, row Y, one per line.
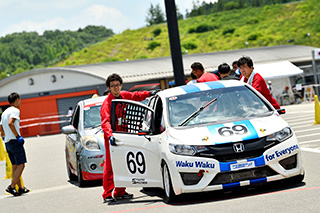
column 90, row 142
column 186, row 149
column 281, row 135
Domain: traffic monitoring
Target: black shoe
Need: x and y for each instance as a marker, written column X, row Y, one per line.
column 109, row 199
column 125, row 196
column 12, row 191
column 24, row 190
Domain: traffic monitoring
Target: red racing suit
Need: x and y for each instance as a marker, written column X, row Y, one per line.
column 260, row 84
column 205, row 77
column 108, row 184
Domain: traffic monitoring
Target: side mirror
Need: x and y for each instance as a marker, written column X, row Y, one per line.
column 281, row 111
column 68, row 130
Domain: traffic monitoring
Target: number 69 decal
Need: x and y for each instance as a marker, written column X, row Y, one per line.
column 136, row 162
column 229, row 131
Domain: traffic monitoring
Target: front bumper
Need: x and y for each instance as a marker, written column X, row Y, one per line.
column 197, row 174
column 92, row 163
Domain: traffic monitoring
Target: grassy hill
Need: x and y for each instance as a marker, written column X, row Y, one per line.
column 236, row 29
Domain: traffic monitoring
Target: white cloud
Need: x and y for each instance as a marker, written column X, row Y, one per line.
column 102, row 15
column 39, row 27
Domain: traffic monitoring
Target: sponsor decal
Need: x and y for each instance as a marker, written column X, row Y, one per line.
column 139, row 181
column 279, row 153
column 196, row 164
column 228, row 133
column 172, row 98
column 205, row 138
column 244, row 165
column 96, row 156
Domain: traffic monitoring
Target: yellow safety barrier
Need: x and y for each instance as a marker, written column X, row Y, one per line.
column 8, row 168
column 316, row 110
column 2, row 151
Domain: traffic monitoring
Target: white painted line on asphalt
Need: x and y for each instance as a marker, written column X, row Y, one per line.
column 305, row 130
column 307, row 125
column 312, row 141
column 303, row 136
column 38, row 191
column 310, row 150
column 301, row 122
column 296, row 120
column 297, row 117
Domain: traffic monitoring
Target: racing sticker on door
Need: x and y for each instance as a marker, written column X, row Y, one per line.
column 136, row 166
column 232, row 132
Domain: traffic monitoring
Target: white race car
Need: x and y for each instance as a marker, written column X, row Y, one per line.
column 202, row 137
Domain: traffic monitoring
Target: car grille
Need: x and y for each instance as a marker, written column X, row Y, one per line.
column 225, row 152
column 246, row 174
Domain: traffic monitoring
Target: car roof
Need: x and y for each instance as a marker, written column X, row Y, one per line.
column 93, row 101
column 191, row 88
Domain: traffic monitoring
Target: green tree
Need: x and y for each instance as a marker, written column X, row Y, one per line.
column 155, row 15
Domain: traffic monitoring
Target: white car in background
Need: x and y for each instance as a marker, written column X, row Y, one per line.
column 85, row 150
column 202, row 137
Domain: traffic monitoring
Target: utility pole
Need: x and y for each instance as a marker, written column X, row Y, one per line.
column 175, row 46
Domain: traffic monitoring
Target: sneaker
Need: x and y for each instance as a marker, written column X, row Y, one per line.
column 24, row 190
column 109, row 199
column 12, row 191
column 125, row 196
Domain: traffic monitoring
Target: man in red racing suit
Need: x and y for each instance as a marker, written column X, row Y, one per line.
column 245, row 65
column 114, row 84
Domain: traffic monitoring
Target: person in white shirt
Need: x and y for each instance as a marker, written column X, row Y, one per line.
column 9, row 127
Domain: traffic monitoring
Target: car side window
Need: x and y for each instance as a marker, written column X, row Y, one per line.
column 159, row 126
column 127, row 117
column 75, row 118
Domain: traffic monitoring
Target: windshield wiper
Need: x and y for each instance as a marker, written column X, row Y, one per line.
column 196, row 113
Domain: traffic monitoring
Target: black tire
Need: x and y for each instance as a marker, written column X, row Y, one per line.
column 80, row 179
column 72, row 177
column 169, row 195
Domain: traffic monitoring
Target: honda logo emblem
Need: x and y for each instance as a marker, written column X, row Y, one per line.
column 238, row 147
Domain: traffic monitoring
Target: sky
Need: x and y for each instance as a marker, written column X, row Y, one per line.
column 42, row 15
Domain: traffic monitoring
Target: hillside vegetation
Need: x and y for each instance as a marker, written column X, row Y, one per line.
column 23, row 51
column 235, row 29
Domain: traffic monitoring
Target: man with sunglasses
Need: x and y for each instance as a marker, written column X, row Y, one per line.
column 114, row 84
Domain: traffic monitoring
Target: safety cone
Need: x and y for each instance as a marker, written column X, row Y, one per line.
column 316, row 110
column 2, row 151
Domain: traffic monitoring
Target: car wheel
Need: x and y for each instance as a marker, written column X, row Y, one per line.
column 80, row 179
column 169, row 195
column 72, row 177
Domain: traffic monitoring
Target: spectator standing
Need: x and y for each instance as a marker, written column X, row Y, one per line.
column 114, row 84
column 10, row 130
column 201, row 74
column 224, row 71
column 255, row 80
column 235, row 70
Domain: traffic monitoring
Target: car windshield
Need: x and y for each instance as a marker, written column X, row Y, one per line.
column 232, row 103
column 92, row 116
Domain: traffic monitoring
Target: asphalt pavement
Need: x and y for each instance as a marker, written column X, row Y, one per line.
column 45, row 174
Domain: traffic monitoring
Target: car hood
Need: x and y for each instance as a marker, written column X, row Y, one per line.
column 231, row 132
